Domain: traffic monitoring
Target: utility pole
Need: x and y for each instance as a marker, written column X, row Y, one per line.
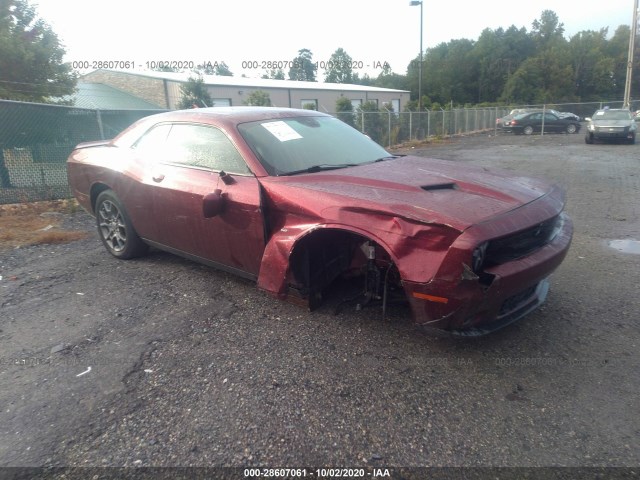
column 415, row 3
column 632, row 43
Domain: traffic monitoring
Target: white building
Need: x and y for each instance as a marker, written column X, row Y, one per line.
column 163, row 89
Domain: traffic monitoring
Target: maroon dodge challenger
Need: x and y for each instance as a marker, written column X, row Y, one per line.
column 295, row 199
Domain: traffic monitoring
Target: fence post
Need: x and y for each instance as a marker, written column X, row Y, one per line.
column 388, row 125
column 99, row 119
column 428, row 124
column 410, row 124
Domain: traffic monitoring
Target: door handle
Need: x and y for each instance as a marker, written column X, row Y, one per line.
column 158, row 177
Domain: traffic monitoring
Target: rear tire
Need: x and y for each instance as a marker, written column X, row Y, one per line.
column 115, row 228
column 571, row 128
column 528, row 130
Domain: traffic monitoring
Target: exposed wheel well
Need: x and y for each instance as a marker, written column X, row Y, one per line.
column 322, row 256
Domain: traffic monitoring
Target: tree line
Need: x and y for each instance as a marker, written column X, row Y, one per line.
column 503, row 66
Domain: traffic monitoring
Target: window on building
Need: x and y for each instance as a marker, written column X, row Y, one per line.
column 395, row 104
column 309, row 104
column 221, row 102
column 357, row 103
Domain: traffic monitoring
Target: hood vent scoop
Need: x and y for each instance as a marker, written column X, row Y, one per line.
column 439, row 186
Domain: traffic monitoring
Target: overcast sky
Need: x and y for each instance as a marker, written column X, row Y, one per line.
column 372, row 32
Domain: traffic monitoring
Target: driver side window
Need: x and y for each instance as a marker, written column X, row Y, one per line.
column 204, row 146
column 192, row 146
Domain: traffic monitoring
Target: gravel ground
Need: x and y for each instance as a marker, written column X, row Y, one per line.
column 193, row 367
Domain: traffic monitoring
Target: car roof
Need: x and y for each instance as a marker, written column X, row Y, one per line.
column 224, row 117
column 613, row 110
column 234, row 115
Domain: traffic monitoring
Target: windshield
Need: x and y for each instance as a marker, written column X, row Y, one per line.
column 295, row 145
column 612, row 115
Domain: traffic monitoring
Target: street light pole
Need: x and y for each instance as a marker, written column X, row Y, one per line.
column 415, row 3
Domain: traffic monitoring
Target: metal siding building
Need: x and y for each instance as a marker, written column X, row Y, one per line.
column 163, row 88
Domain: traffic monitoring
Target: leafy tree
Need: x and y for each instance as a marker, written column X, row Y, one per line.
column 258, row 98
column 221, row 69
column 448, row 72
column 339, row 68
column 592, row 66
column 344, row 110
column 303, row 67
column 166, row 67
column 370, row 121
column 541, row 79
column 31, row 66
column 388, row 79
column 618, row 48
column 497, row 54
column 521, row 86
column 194, row 94
column 364, row 80
column 275, row 74
column 547, row 31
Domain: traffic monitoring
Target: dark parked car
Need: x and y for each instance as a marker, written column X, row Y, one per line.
column 503, row 122
column 568, row 115
column 295, row 199
column 528, row 123
column 611, row 124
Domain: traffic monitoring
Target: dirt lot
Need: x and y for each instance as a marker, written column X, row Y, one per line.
column 163, row 362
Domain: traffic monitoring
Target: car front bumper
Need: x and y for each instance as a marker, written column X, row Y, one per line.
column 473, row 305
column 611, row 134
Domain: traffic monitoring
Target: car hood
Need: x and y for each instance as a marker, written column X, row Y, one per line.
column 419, row 189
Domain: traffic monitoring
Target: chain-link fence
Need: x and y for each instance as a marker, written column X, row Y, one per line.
column 583, row 110
column 390, row 128
column 36, row 139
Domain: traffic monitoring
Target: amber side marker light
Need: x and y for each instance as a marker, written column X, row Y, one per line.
column 431, row 298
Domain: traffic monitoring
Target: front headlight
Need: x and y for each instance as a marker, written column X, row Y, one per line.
column 477, row 258
column 591, row 127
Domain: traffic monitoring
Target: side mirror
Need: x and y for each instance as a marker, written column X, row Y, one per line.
column 213, row 204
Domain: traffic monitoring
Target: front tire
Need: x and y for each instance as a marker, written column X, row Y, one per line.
column 588, row 139
column 528, row 130
column 632, row 140
column 115, row 228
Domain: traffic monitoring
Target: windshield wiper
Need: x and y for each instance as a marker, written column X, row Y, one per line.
column 390, row 157
column 320, row 168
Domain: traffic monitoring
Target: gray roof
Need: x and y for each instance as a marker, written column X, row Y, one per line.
column 104, row 97
column 260, row 82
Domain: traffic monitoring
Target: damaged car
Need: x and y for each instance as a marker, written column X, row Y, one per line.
column 297, row 199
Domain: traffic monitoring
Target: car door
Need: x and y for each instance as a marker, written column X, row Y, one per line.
column 535, row 120
column 195, row 161
column 136, row 185
column 553, row 123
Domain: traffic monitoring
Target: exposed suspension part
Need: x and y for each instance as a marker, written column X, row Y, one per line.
column 377, row 278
